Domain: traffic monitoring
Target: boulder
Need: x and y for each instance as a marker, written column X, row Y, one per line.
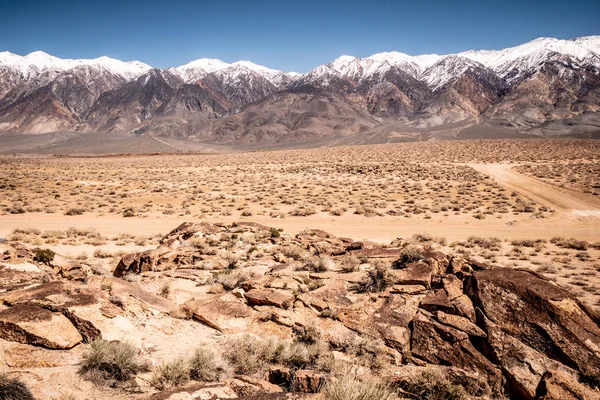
column 30, row 324
column 460, row 323
column 159, row 259
column 443, row 345
column 539, row 314
column 418, row 273
column 308, row 381
column 269, row 297
column 225, row 313
column 437, row 301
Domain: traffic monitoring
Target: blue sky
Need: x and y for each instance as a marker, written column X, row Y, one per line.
column 285, row 34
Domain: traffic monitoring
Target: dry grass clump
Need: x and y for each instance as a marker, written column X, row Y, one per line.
column 172, row 374
column 206, row 365
column 570, row 243
column 13, row 389
column 409, row 254
column 352, row 388
column 377, row 280
column 250, row 355
column 431, row 385
column 233, row 279
column 111, row 360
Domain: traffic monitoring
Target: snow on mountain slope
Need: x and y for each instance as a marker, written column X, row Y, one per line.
column 198, row 69
column 519, row 60
column 446, row 69
column 359, row 68
column 38, row 62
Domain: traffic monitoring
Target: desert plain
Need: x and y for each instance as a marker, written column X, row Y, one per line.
column 311, row 273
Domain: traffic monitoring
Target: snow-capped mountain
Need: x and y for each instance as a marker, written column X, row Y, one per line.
column 198, row 69
column 546, row 85
column 516, row 62
column 38, row 62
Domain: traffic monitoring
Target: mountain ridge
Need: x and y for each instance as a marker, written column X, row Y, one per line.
column 545, row 87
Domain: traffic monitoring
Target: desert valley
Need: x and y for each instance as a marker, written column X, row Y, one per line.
column 413, row 215
column 433, row 270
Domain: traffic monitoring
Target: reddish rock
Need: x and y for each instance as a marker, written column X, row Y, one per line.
column 307, row 381
column 540, row 315
column 269, row 297
column 437, row 301
column 414, row 274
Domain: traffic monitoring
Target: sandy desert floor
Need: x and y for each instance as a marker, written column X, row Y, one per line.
column 530, row 204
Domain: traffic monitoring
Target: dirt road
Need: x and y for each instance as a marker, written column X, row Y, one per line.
column 567, row 203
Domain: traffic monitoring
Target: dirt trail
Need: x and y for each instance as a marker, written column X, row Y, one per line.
column 566, row 202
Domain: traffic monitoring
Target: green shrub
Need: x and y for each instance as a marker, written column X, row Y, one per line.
column 111, row 360
column 13, row 389
column 274, row 233
column 44, row 256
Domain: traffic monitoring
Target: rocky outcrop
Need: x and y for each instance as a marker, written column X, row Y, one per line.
column 224, row 313
column 38, row 326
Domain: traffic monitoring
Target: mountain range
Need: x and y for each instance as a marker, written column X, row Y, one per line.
column 546, row 87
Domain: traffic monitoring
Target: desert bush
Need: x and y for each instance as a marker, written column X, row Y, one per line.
column 408, row 255
column 377, row 280
column 294, row 252
column 233, row 280
column 206, row 365
column 433, row 386
column 274, row 233
column 74, row 211
column 13, row 389
column 44, row 256
column 570, row 243
column 349, row 263
column 249, row 355
column 490, row 243
column 165, row 290
column 172, row 374
column 112, row 360
column 351, row 388
column 101, row 253
column 128, row 212
column 117, row 301
column 308, row 334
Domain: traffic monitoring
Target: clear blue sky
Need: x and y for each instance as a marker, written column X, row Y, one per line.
column 285, row 34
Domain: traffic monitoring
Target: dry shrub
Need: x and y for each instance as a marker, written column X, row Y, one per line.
column 112, row 360
column 172, row 374
column 206, row 365
column 377, row 280
column 13, row 389
column 352, row 388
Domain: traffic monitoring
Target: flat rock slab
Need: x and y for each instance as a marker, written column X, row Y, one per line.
column 225, row 313
column 460, row 323
column 34, row 325
column 414, row 274
column 269, row 297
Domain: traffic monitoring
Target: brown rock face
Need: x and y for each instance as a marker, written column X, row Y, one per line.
column 224, row 313
column 306, row 381
column 414, row 274
column 535, row 327
column 35, row 325
column 444, row 345
column 269, row 297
